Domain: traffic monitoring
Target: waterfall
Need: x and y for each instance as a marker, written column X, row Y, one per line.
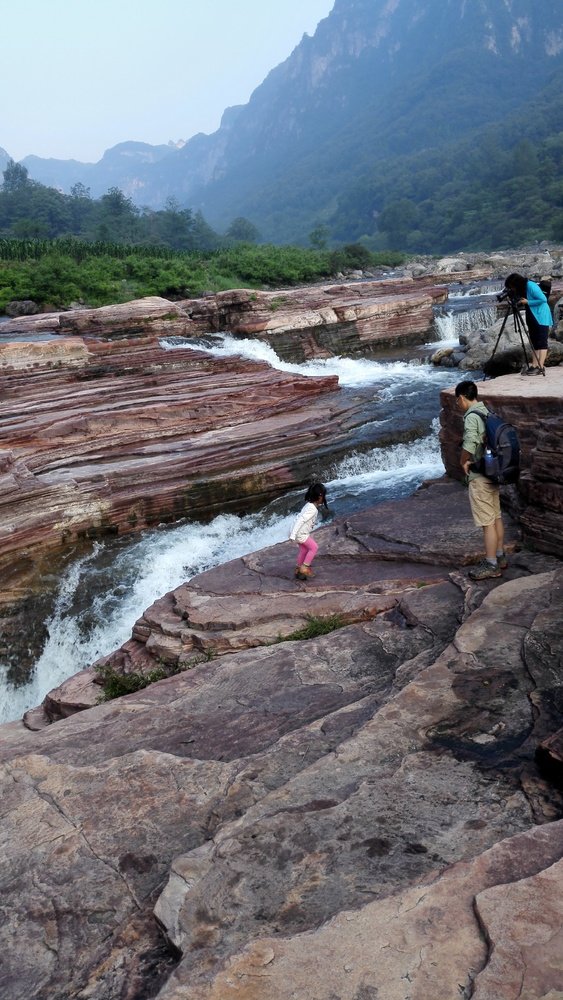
column 450, row 323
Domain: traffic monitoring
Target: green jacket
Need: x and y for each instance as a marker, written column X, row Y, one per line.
column 474, row 433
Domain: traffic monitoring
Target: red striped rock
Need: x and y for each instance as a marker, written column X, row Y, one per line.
column 319, row 321
column 113, row 436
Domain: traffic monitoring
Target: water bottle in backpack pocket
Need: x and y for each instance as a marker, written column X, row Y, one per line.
column 501, row 458
column 490, row 464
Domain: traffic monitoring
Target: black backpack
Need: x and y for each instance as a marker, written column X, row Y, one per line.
column 501, row 457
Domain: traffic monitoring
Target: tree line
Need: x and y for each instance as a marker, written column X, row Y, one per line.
column 30, row 210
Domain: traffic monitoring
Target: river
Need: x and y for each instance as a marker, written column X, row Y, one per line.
column 101, row 595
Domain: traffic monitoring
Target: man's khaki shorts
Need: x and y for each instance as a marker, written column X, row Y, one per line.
column 484, row 499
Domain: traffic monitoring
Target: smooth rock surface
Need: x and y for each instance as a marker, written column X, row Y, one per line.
column 366, row 566
column 425, row 942
column 271, row 792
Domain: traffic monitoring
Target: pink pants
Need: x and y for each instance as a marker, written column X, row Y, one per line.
column 307, row 552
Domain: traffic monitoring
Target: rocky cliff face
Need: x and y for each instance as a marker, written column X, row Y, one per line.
column 362, row 88
column 362, row 72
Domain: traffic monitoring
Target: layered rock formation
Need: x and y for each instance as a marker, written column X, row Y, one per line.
column 111, row 436
column 104, row 431
column 114, row 436
column 351, row 816
column 350, row 319
column 317, row 321
column 139, row 317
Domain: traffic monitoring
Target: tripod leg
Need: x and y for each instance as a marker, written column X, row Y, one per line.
column 500, row 333
column 520, row 326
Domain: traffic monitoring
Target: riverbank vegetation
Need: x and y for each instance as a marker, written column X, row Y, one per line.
column 58, row 249
column 57, row 273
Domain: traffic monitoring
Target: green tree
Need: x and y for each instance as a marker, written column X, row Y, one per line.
column 318, row 237
column 117, row 217
column 397, row 219
column 81, row 208
column 205, row 238
column 15, row 177
column 80, row 191
column 175, row 226
column 241, row 230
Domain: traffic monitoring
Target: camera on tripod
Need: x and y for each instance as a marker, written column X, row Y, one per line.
column 507, row 295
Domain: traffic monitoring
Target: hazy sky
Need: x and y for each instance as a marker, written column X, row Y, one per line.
column 77, row 77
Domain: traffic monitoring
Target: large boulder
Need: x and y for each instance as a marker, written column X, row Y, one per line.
column 21, row 307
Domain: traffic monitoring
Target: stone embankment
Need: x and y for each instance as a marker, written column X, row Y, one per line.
column 366, row 801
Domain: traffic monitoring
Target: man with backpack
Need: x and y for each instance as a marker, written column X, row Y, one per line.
column 484, row 492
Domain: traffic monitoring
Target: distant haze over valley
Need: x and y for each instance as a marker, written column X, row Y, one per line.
column 368, row 125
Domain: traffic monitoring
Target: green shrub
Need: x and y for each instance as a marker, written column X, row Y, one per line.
column 114, row 684
column 315, row 626
column 55, row 273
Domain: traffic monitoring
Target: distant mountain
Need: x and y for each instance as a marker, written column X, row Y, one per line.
column 380, row 80
column 377, row 80
column 4, row 157
column 124, row 166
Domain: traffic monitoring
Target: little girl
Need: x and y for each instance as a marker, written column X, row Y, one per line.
column 301, row 531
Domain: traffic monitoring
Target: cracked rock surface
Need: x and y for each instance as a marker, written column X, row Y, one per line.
column 357, row 816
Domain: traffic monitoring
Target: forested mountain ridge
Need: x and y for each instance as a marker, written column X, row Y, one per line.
column 500, row 185
column 380, row 82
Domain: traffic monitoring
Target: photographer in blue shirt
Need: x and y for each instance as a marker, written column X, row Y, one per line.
column 538, row 316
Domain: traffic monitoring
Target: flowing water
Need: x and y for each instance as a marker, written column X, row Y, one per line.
column 101, row 595
column 468, row 308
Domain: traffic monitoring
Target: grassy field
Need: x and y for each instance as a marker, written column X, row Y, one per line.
column 57, row 273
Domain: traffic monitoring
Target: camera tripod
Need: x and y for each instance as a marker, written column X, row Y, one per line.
column 520, row 328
